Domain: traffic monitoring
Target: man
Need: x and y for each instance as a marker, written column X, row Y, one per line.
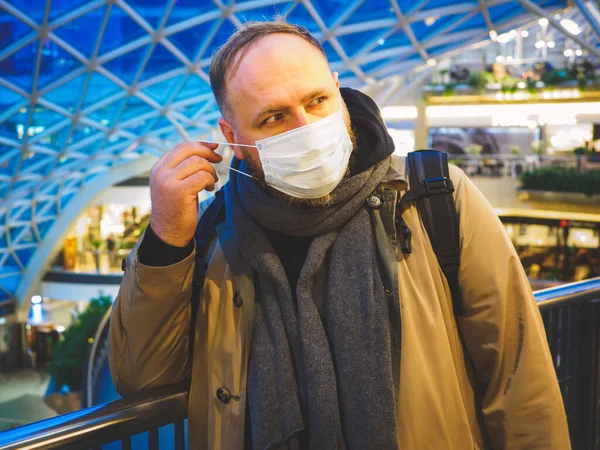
column 297, row 343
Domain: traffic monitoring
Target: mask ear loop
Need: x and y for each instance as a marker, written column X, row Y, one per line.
column 239, row 145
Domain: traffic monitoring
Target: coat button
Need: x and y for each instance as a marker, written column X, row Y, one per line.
column 374, row 201
column 237, row 299
column 223, row 395
column 124, row 264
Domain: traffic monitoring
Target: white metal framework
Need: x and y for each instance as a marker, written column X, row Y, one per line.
column 89, row 85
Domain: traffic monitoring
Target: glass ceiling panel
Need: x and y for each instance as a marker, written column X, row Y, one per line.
column 152, row 11
column 34, row 9
column 135, row 108
column 11, row 31
column 8, row 97
column 371, row 10
column 19, row 67
column 120, row 30
column 163, row 90
column 199, row 25
column 82, row 33
column 194, row 86
column 265, row 13
column 38, row 163
column 161, row 61
column 185, row 9
column 56, row 62
column 9, row 161
column 44, row 118
column 60, row 8
column 14, row 127
column 99, row 88
column 299, row 15
column 190, row 40
column 67, row 96
column 353, row 43
column 125, row 67
column 475, row 22
column 107, row 114
column 226, row 29
column 332, row 10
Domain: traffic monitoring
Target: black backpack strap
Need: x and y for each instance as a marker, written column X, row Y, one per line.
column 204, row 235
column 431, row 188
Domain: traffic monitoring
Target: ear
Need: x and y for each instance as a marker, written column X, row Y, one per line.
column 336, row 79
column 229, row 134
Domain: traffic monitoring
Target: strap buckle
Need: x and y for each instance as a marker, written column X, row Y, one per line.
column 435, row 186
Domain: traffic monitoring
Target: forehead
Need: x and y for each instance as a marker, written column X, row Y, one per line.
column 277, row 65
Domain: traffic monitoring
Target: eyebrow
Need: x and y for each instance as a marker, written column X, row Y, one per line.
column 281, row 108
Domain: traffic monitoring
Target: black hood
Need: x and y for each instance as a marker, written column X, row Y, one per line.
column 373, row 142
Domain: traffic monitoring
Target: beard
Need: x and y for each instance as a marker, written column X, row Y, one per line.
column 325, row 201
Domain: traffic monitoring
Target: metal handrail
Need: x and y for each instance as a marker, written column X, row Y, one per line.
column 109, row 422
column 146, row 412
column 567, row 294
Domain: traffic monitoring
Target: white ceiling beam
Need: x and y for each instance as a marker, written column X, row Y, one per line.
column 529, row 5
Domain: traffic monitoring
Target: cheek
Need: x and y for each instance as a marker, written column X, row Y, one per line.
column 252, row 159
column 250, row 154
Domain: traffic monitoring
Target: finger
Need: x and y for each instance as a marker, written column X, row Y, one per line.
column 199, row 181
column 211, row 145
column 192, row 165
column 183, row 151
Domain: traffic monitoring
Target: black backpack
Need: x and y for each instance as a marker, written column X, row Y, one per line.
column 431, row 189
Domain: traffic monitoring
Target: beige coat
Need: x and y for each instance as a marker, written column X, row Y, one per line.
column 520, row 401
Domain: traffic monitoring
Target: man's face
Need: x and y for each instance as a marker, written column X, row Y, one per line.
column 282, row 82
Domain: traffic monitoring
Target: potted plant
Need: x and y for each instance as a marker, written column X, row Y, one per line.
column 69, row 356
column 478, row 81
column 562, row 185
column 580, row 152
column 96, row 244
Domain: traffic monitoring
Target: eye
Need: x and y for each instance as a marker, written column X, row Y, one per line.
column 318, row 101
column 274, row 119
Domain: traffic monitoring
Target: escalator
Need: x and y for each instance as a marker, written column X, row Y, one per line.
column 98, row 388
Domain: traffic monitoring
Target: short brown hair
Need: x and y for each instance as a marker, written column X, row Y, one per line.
column 237, row 44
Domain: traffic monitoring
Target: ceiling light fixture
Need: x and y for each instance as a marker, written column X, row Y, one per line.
column 570, row 26
column 504, row 38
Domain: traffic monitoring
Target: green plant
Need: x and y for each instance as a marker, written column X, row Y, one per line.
column 509, row 85
column 478, row 81
column 556, row 77
column 537, row 148
column 449, row 89
column 515, row 150
column 580, row 151
column 96, row 243
column 70, row 351
column 444, row 75
column 474, row 149
column 531, row 87
column 561, row 179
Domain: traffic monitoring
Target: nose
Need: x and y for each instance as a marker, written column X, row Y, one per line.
column 301, row 118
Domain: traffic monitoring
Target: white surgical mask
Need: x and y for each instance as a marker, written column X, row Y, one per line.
column 307, row 162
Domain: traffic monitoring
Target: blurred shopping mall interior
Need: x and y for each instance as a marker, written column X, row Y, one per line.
column 93, row 92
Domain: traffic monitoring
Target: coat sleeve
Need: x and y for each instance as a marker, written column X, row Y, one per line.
column 150, row 325
column 504, row 334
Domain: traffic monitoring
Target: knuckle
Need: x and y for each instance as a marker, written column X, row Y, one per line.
column 166, row 184
column 178, row 147
column 196, row 160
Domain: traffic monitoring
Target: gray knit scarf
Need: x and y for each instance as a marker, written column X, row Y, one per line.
column 320, row 371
